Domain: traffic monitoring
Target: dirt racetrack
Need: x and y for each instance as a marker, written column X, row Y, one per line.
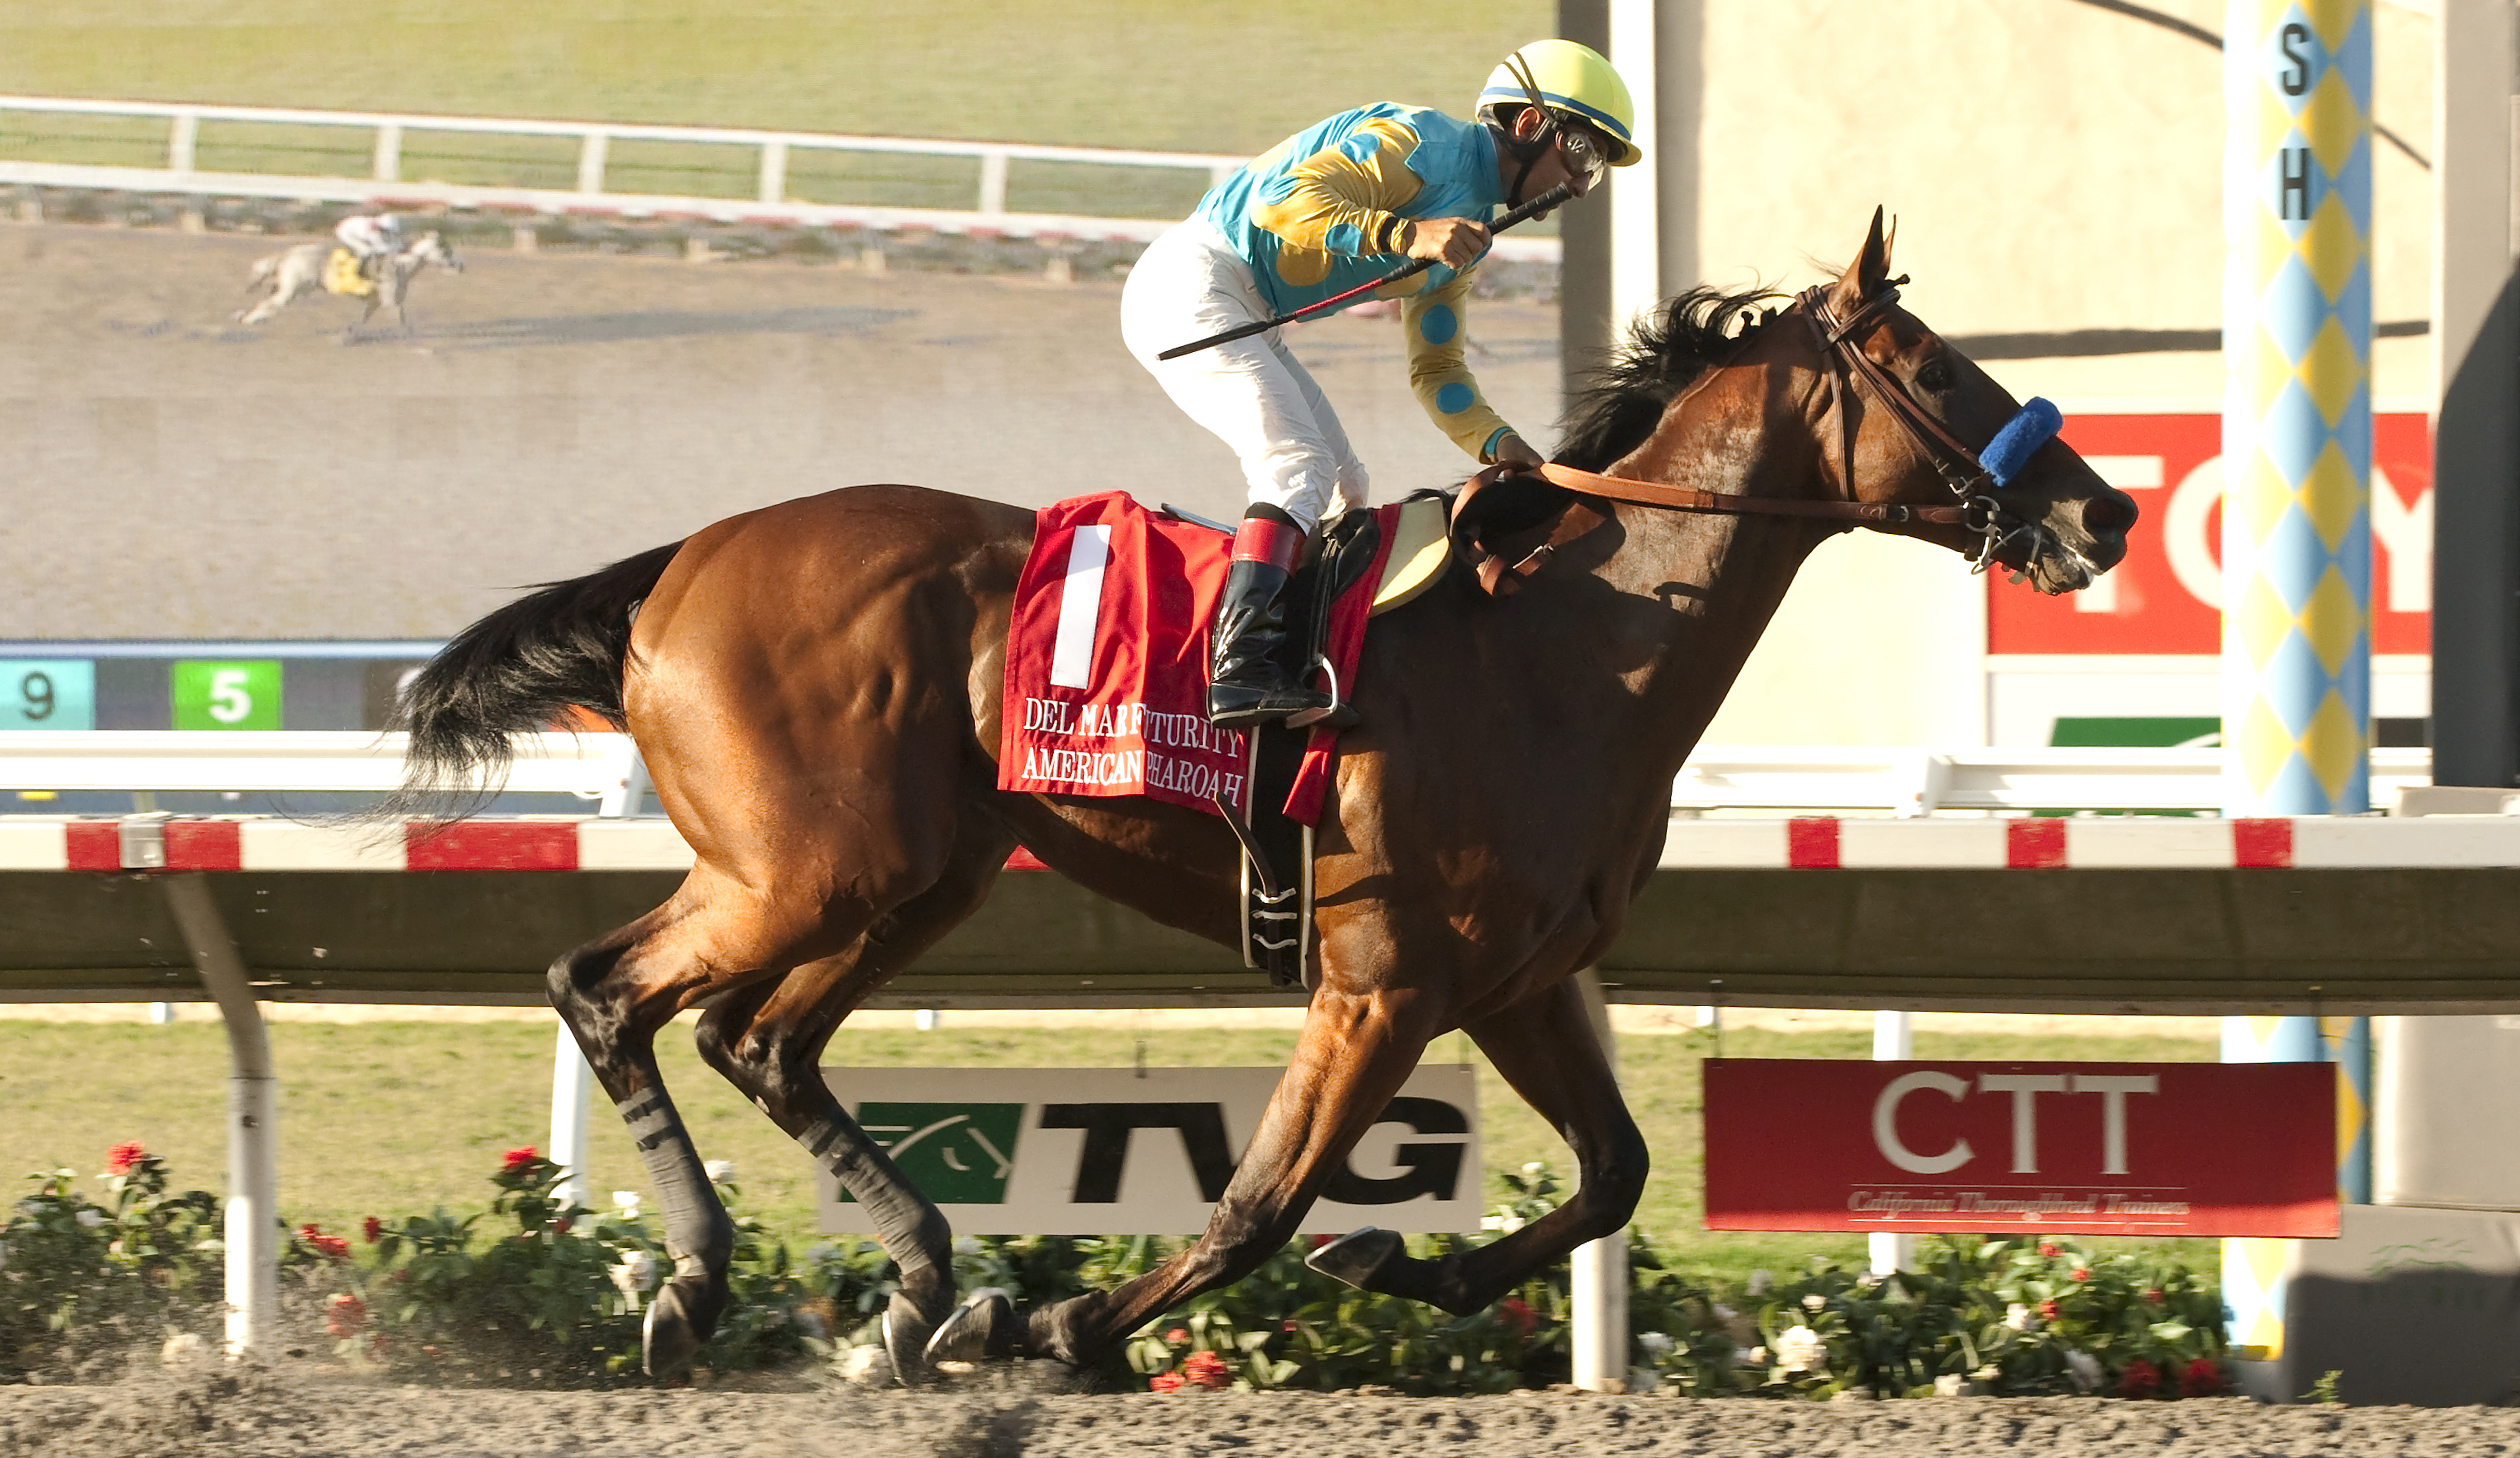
column 208, row 1412
column 170, row 475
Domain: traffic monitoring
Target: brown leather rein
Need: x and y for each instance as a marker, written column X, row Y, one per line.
column 1843, row 363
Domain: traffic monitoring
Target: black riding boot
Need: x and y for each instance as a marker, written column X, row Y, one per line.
column 1249, row 681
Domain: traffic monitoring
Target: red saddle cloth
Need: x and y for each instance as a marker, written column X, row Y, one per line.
column 1107, row 661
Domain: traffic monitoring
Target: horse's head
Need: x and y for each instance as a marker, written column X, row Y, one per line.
column 1905, row 418
column 431, row 248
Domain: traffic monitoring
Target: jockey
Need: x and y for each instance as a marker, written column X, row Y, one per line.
column 1333, row 207
column 371, row 238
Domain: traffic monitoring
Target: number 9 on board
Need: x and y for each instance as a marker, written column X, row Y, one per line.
column 39, row 694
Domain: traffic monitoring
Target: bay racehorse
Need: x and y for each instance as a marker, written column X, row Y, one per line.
column 294, row 272
column 816, row 688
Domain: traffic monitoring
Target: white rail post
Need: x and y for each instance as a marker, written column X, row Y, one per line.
column 253, row 1202
column 571, row 1078
column 993, row 182
column 1597, row 1284
column 773, row 171
column 183, row 137
column 388, row 166
column 1894, row 1041
column 591, row 162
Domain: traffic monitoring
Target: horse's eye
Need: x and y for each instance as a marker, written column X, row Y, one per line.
column 1936, row 375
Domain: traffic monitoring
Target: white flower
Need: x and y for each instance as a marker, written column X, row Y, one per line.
column 634, row 1273
column 91, row 1218
column 2017, row 1316
column 1815, row 1302
column 966, row 1245
column 1755, row 1357
column 627, row 1202
column 1950, row 1384
column 1509, row 1223
column 1491, row 1222
column 1800, row 1349
column 1656, row 1344
column 1759, row 1283
column 2085, row 1369
column 1723, row 1312
column 181, row 1347
column 1535, row 1167
column 719, row 1171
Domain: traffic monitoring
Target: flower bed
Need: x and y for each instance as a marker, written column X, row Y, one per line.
column 529, row 1290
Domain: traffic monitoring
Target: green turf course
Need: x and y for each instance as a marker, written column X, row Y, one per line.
column 1153, row 74
column 390, row 1119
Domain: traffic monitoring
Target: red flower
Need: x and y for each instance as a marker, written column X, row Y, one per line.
column 518, row 1159
column 345, row 1315
column 2048, row 1249
column 2203, row 1378
column 2153, row 1295
column 1289, row 1325
column 1177, row 1336
column 1518, row 1315
column 2048, row 1310
column 374, row 1228
column 331, row 1246
column 2082, row 1273
column 1206, row 1369
column 1164, row 1382
column 122, row 1157
column 2140, row 1379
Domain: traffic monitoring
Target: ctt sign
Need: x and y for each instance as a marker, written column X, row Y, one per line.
column 1118, row 1151
column 2243, row 1149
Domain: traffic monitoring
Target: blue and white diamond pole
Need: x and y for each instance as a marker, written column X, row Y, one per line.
column 2296, row 534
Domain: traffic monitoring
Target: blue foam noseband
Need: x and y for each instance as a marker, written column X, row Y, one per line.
column 2033, row 426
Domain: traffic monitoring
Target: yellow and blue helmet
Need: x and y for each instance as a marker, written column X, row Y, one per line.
column 1573, row 80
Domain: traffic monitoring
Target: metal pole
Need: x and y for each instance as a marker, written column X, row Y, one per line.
column 2297, row 408
column 253, row 1203
column 1597, row 1294
column 2476, row 432
column 1894, row 1041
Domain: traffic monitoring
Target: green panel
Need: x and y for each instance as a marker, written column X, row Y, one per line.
column 2172, row 732
column 956, row 1154
column 208, row 694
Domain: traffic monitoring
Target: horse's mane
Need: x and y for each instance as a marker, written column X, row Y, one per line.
column 1668, row 348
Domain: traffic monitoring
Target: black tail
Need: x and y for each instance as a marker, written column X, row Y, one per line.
column 515, row 672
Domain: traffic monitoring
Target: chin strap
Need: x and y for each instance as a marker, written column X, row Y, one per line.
column 1527, row 153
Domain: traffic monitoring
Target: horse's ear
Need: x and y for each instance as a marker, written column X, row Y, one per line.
column 1871, row 268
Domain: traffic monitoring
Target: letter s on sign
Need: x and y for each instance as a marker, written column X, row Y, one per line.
column 1886, row 1123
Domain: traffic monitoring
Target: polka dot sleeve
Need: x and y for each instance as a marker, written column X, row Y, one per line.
column 1434, row 321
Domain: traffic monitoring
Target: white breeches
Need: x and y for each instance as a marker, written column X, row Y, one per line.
column 1251, row 394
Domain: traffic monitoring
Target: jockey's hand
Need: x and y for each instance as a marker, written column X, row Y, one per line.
column 1515, row 453
column 1452, row 242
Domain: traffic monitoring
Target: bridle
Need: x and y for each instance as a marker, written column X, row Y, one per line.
column 1844, row 366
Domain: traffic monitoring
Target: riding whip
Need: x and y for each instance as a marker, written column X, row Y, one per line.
column 1562, row 193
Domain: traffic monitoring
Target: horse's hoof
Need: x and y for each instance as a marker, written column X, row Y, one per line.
column 980, row 1327
column 679, row 1323
column 1357, row 1257
column 908, row 1334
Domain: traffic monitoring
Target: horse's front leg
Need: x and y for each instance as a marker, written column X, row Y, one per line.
column 1547, row 1050
column 1355, row 1052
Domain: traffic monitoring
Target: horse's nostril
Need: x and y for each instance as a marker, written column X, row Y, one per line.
column 2110, row 513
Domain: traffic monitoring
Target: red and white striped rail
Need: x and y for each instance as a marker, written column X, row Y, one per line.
column 574, row 843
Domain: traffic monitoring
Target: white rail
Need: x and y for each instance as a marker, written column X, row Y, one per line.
column 590, row 766
column 1923, row 782
column 1906, row 782
column 385, row 185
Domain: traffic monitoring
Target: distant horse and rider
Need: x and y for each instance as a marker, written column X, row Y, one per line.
column 817, row 688
column 368, row 260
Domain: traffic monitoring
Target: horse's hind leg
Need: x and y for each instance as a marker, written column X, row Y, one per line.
column 615, row 993
column 1546, row 1049
column 768, row 1041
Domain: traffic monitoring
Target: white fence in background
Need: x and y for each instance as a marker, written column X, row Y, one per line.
column 605, row 767
column 386, row 186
